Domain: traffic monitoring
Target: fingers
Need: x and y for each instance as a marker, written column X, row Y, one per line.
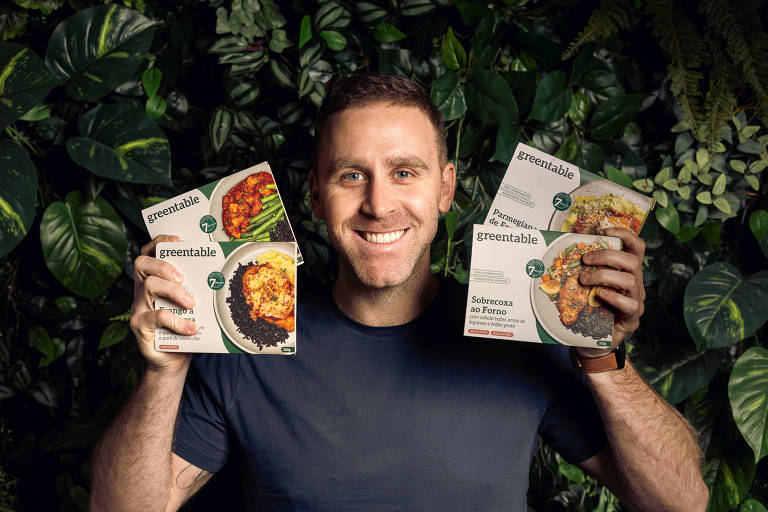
column 633, row 244
column 155, row 287
column 150, row 266
column 627, row 306
column 612, row 258
column 147, row 322
column 149, row 249
column 624, row 281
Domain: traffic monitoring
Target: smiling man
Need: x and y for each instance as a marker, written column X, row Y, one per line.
column 380, row 180
column 386, row 406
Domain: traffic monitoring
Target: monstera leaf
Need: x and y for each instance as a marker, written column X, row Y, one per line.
column 98, row 49
column 748, row 394
column 84, row 243
column 682, row 374
column 24, row 81
column 720, row 307
column 121, row 143
column 18, row 185
column 729, row 477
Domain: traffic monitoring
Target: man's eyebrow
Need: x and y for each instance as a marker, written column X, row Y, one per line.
column 344, row 163
column 406, row 161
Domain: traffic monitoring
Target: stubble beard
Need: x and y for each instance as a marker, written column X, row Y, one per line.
column 357, row 274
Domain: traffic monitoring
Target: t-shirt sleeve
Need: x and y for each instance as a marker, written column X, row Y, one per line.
column 572, row 425
column 202, row 434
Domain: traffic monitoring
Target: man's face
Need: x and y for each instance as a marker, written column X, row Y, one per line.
column 380, row 188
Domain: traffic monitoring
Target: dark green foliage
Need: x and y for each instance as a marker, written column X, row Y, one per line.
column 170, row 96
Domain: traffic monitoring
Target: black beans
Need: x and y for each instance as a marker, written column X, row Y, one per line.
column 597, row 324
column 282, row 232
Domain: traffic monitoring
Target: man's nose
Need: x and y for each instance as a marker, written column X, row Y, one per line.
column 379, row 200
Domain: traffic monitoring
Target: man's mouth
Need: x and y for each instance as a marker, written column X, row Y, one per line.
column 382, row 238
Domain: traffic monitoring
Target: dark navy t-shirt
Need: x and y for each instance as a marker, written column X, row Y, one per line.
column 411, row 417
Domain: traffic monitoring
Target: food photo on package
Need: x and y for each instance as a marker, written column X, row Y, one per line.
column 540, row 191
column 524, row 286
column 243, row 207
column 245, row 297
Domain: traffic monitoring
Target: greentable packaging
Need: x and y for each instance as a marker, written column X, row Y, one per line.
column 523, row 285
column 243, row 207
column 539, row 191
column 245, row 294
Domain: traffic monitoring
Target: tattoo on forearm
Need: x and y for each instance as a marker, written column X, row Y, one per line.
column 187, row 479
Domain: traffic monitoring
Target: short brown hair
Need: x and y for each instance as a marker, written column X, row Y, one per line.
column 363, row 90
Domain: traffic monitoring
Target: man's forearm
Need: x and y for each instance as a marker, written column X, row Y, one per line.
column 654, row 448
column 131, row 464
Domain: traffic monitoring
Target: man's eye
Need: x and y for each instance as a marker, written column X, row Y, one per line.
column 353, row 176
column 403, row 174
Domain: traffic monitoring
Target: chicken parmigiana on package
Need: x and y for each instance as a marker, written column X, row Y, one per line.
column 539, row 191
column 242, row 207
column 524, row 285
column 245, row 297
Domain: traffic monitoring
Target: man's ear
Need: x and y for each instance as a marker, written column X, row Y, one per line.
column 447, row 187
column 314, row 195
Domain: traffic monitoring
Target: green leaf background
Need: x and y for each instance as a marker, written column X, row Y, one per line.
column 748, row 393
column 84, row 243
column 97, row 49
column 121, row 143
column 18, row 186
column 721, row 307
column 24, row 81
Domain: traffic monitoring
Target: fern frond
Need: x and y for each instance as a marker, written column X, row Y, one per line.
column 686, row 52
column 606, row 21
column 750, row 16
column 720, row 102
column 723, row 21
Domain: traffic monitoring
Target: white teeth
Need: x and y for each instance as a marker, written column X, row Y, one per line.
column 383, row 238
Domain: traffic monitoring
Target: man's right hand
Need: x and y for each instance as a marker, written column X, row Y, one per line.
column 156, row 278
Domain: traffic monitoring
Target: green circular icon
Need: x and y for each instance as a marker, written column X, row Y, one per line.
column 561, row 201
column 208, row 223
column 534, row 268
column 216, row 280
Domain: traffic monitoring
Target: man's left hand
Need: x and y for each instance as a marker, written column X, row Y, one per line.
column 622, row 281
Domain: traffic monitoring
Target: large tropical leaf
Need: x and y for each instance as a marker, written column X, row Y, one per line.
column 758, row 223
column 24, row 81
column 18, row 186
column 706, row 416
column 682, row 374
column 752, row 505
column 748, row 394
column 491, row 99
column 122, row 143
column 729, row 477
column 97, row 49
column 84, row 243
column 720, row 307
column 552, row 98
column 613, row 114
column 448, row 95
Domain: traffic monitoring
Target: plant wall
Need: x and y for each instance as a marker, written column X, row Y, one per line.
column 108, row 108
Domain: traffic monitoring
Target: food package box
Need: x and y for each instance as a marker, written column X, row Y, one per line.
column 532, row 293
column 242, row 207
column 539, row 191
column 245, row 297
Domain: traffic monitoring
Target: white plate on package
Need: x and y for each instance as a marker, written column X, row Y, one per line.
column 246, row 255
column 599, row 188
column 222, row 187
column 545, row 309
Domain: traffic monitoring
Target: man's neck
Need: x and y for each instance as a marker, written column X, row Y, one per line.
column 381, row 307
